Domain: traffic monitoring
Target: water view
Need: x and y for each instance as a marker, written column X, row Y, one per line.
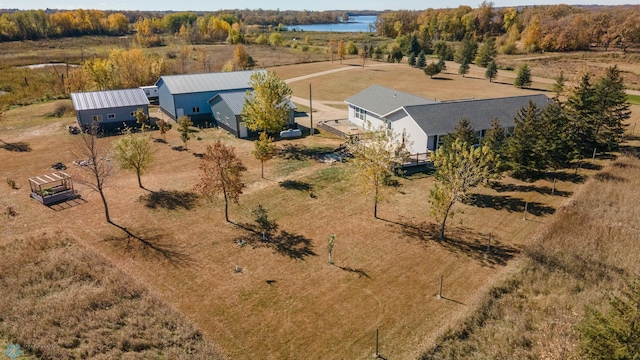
column 355, row 24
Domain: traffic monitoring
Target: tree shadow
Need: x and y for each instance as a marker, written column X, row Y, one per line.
column 586, row 165
column 16, row 147
column 151, row 243
column 361, row 273
column 296, row 185
column 459, row 241
column 499, row 187
column 294, row 246
column 567, row 176
column 511, row 204
column 178, row 148
column 441, row 78
column 170, row 199
column 608, row 177
column 300, row 152
column 198, row 155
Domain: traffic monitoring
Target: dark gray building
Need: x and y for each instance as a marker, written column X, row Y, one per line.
column 226, row 108
column 110, row 109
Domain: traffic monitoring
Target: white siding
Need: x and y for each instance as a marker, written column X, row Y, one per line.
column 417, row 138
column 375, row 121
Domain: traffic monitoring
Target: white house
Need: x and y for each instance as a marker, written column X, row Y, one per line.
column 427, row 123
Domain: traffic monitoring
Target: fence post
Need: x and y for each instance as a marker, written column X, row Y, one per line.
column 440, row 293
column 553, row 190
column 489, row 245
column 526, row 205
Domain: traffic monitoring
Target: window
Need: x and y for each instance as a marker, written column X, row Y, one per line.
column 133, row 114
column 195, row 110
column 111, row 116
column 97, row 118
column 226, row 120
column 218, row 116
column 360, row 113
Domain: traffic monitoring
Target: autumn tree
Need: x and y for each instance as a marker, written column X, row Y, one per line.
column 276, row 39
column 98, row 169
column 134, row 152
column 184, row 122
column 523, row 77
column 459, row 168
column 142, row 118
column 492, row 71
column 374, row 160
column 266, row 109
column 342, row 51
column 264, row 150
column 221, row 174
column 241, row 59
column 164, row 127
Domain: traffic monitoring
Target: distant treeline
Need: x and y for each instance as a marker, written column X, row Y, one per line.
column 40, row 24
column 538, row 28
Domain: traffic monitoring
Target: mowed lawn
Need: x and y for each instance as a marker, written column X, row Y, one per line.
column 287, row 301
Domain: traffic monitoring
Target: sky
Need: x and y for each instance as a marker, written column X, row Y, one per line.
column 202, row 5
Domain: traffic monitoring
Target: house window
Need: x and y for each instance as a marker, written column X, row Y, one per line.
column 226, row 120
column 196, row 109
column 218, row 116
column 97, row 118
column 111, row 116
column 360, row 113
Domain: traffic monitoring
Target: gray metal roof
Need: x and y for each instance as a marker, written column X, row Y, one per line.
column 442, row 118
column 235, row 100
column 381, row 100
column 194, row 83
column 109, row 99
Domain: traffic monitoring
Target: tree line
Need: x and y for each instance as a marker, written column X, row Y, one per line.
column 539, row 28
column 211, row 26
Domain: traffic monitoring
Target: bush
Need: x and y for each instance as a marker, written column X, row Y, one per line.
column 62, row 109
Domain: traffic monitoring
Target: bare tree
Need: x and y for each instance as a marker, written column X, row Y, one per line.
column 93, row 153
column 221, row 173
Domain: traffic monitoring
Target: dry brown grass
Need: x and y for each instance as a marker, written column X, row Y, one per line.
column 63, row 301
column 578, row 260
column 287, row 302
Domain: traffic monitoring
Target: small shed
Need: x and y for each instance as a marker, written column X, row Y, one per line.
column 110, row 109
column 52, row 188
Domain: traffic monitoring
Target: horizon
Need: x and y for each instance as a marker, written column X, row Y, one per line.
column 358, row 5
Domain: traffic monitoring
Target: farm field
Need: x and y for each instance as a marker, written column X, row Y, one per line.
column 287, row 301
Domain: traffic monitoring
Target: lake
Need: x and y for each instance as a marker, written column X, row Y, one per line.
column 355, row 24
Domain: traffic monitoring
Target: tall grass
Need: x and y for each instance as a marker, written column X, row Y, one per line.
column 62, row 301
column 577, row 261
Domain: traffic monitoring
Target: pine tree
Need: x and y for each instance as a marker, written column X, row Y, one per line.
column 414, row 45
column 523, row 77
column 467, row 50
column 580, row 106
column 495, row 140
column 492, row 71
column 558, row 86
column 442, row 65
column 558, row 151
column 464, row 67
column 422, row 61
column 486, row 53
column 412, row 59
column 523, row 153
column 613, row 109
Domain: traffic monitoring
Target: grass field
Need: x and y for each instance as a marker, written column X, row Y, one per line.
column 288, row 302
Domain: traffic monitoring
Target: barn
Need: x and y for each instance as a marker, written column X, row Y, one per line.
column 110, row 109
column 189, row 94
column 226, row 108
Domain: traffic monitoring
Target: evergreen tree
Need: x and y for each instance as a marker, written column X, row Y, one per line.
column 414, row 45
column 443, row 50
column 523, row 153
column 558, row 151
column 422, row 61
column 558, row 86
column 464, row 67
column 613, row 109
column 492, row 71
column 467, row 50
column 486, row 53
column 412, row 59
column 495, row 141
column 442, row 65
column 523, row 77
column 580, row 105
column 463, row 133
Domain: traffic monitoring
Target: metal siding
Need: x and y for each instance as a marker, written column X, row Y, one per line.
column 95, row 100
column 165, row 99
column 196, row 83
